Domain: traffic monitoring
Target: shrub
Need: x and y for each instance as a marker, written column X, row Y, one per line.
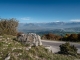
column 71, row 37
column 79, row 37
column 8, row 26
column 51, row 36
column 68, row 49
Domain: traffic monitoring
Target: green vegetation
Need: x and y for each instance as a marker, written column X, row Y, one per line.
column 51, row 36
column 18, row 51
column 68, row 49
column 8, row 26
column 72, row 37
column 66, row 37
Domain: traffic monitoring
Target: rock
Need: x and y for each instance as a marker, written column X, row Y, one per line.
column 40, row 43
column 21, row 38
column 1, row 36
column 8, row 38
column 0, row 39
column 7, row 57
column 49, row 48
column 28, row 48
column 31, row 38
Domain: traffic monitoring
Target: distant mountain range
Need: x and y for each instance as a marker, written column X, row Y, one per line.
column 61, row 26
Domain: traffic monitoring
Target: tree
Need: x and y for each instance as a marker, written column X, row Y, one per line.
column 73, row 37
column 51, row 36
column 79, row 37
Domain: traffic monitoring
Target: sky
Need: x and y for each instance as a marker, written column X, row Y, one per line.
column 39, row 11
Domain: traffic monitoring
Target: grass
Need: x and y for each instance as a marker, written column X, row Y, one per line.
column 18, row 51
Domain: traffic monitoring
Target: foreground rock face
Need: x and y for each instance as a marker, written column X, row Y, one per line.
column 31, row 38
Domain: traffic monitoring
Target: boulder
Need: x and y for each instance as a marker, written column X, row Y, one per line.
column 31, row 38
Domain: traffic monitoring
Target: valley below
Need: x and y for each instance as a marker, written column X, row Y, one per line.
column 60, row 28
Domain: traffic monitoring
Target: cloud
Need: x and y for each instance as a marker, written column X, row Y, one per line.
column 25, row 18
column 75, row 20
column 57, row 21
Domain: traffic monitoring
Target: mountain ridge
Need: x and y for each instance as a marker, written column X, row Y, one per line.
column 51, row 25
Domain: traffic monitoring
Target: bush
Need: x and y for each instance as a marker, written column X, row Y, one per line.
column 8, row 26
column 68, row 49
column 51, row 36
column 71, row 37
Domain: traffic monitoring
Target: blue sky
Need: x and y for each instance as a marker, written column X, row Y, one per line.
column 30, row 11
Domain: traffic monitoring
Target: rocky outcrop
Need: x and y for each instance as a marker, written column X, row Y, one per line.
column 31, row 38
